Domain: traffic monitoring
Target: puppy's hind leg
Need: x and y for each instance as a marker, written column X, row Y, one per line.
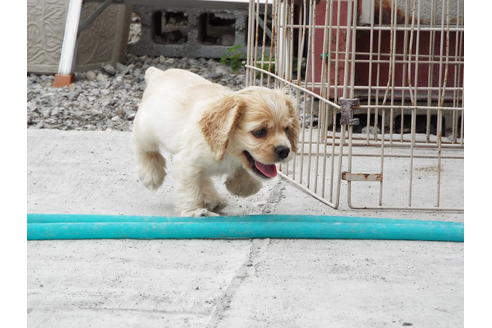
column 151, row 168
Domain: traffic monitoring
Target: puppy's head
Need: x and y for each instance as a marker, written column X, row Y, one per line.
column 257, row 125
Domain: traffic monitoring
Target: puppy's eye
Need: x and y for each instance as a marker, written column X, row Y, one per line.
column 260, row 133
column 286, row 129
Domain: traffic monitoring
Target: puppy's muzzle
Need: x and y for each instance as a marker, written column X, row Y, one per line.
column 282, row 151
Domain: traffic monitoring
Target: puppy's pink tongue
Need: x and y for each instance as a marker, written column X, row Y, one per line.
column 269, row 170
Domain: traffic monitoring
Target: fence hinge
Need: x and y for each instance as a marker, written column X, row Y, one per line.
column 347, row 115
column 348, row 176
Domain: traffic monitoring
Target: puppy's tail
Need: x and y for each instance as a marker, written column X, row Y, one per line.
column 151, row 73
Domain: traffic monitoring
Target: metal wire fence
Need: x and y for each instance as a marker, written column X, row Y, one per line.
column 379, row 86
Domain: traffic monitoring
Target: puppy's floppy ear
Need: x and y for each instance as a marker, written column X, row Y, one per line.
column 294, row 127
column 218, row 122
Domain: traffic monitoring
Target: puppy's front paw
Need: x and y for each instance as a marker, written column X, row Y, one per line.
column 199, row 212
column 215, row 204
column 242, row 184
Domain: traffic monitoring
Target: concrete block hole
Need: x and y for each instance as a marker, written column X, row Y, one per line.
column 170, row 27
column 217, row 29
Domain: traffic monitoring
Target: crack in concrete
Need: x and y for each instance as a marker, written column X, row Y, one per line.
column 247, row 268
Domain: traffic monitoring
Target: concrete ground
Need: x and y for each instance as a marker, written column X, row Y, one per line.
column 218, row 283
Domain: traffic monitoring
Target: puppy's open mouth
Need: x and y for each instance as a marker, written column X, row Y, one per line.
column 267, row 171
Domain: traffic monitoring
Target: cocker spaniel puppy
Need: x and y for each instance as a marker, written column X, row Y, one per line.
column 211, row 130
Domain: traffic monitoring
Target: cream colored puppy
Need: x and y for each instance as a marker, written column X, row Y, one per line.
column 211, row 130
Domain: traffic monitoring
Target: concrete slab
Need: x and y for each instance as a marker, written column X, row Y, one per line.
column 218, row 283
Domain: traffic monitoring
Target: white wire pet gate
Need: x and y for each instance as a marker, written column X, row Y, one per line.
column 379, row 84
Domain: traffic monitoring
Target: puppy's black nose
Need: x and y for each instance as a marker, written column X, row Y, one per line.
column 282, row 151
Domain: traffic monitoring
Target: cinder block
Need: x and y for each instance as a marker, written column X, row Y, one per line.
column 190, row 28
column 104, row 41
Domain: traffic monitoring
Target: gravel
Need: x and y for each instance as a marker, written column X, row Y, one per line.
column 108, row 98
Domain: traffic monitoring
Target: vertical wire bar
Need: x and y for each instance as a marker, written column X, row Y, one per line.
column 273, row 44
column 291, row 54
column 438, row 127
column 312, row 68
column 393, row 65
column 430, row 77
column 345, row 95
column 383, row 123
column 461, row 33
column 257, row 22
column 352, row 84
column 322, row 107
column 369, row 89
column 291, row 41
column 462, row 119
column 369, row 78
column 334, row 116
column 333, row 139
column 342, row 128
column 413, row 98
column 352, row 56
column 265, row 26
column 456, row 76
column 346, row 56
column 417, row 54
column 390, row 83
column 337, row 48
column 279, row 58
column 284, row 39
column 304, row 94
column 250, row 32
column 300, row 56
column 412, row 129
column 403, row 79
column 286, row 45
column 381, row 168
column 279, row 62
column 325, row 60
column 442, row 85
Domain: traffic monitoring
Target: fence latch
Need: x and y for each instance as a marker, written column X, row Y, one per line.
column 347, row 115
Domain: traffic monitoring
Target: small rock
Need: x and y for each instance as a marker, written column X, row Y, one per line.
column 222, row 70
column 101, row 78
column 123, row 69
column 91, row 76
column 130, row 116
column 192, row 62
column 46, row 112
